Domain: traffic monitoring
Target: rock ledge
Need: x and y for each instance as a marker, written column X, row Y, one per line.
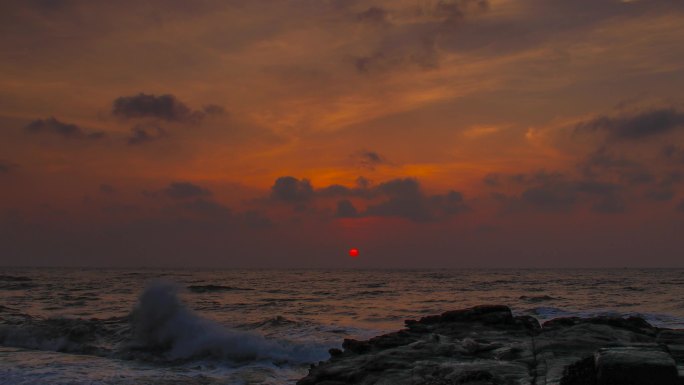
column 487, row 345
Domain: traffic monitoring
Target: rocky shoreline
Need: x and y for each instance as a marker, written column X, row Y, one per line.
column 488, row 345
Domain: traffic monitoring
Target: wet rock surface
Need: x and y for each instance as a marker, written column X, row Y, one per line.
column 488, row 345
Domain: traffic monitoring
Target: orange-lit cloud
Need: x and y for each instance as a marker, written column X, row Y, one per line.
column 466, row 128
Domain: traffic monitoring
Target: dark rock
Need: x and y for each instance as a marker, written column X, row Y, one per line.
column 634, row 366
column 488, row 345
column 335, row 352
column 582, row 372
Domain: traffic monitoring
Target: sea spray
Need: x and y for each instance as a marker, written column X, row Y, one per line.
column 162, row 324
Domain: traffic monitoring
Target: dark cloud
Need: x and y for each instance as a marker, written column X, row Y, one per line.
column 164, row 107
column 552, row 196
column 65, row 130
column 450, row 203
column 602, row 158
column 673, row 153
column 213, row 109
column 637, row 126
column 185, row 190
column 414, row 44
column 452, row 12
column 492, row 179
column 680, row 206
column 362, row 182
column 255, row 219
column 292, row 190
column 602, row 163
column 597, row 187
column 141, row 134
column 370, row 159
column 610, row 204
column 204, row 207
column 637, row 177
column 336, row 191
column 7, row 167
column 107, row 188
column 394, row 198
column 417, row 51
column 672, row 178
column 345, row 209
column 405, row 199
column 660, row 195
column 375, row 15
column 539, row 22
column 556, row 192
column 541, row 176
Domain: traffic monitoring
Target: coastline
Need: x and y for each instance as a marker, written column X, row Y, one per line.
column 488, row 345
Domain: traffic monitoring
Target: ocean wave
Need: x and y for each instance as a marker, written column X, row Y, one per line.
column 214, row 288
column 17, row 285
column 536, row 298
column 14, row 278
column 165, row 329
column 160, row 329
column 94, row 337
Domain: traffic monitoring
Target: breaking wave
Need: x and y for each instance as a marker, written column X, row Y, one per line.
column 164, row 325
column 161, row 328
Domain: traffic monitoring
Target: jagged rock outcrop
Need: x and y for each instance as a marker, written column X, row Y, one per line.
column 488, row 345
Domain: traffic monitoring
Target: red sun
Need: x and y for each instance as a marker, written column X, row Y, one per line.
column 354, row 252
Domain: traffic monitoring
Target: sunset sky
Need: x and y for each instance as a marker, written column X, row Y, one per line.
column 467, row 133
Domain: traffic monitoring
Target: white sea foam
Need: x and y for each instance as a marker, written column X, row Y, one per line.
column 162, row 323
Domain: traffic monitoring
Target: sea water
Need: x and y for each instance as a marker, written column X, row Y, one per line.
column 151, row 326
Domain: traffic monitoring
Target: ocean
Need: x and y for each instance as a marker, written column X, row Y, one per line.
column 152, row 326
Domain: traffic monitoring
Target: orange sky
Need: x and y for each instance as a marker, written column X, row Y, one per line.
column 530, row 133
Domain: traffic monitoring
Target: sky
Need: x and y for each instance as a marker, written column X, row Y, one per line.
column 276, row 134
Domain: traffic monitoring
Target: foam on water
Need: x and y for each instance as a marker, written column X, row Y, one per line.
column 162, row 323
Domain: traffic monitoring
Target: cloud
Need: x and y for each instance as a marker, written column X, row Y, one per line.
column 7, row 167
column 660, row 195
column 370, row 159
column 204, row 207
column 401, row 197
column 345, row 209
column 213, row 109
column 145, row 133
column 551, row 196
column 374, row 15
column 363, row 189
column 557, row 192
column 107, row 188
column 292, row 190
column 405, row 199
column 673, row 153
column 492, row 179
column 164, row 107
column 185, row 190
column 255, row 219
column 541, row 176
column 413, row 42
column 680, row 206
column 65, row 130
column 602, row 163
column 637, row 126
column 450, row 203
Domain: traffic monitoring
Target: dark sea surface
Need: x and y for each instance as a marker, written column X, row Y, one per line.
column 146, row 326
